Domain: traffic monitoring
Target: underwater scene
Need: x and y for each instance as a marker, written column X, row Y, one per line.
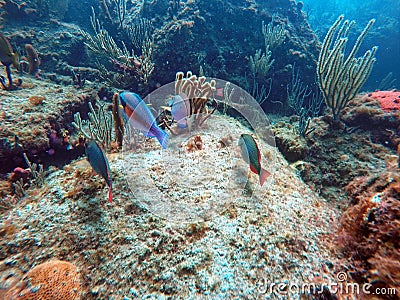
column 199, row 149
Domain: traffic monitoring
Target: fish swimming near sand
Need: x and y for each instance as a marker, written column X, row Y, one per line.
column 180, row 109
column 7, row 55
column 141, row 118
column 99, row 162
column 251, row 155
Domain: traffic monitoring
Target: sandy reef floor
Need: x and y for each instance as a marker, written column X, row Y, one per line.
column 233, row 246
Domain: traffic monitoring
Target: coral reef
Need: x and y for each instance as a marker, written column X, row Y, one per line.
column 61, row 45
column 335, row 158
column 328, row 161
column 124, row 250
column 36, row 100
column 13, row 10
column 33, row 123
column 370, row 114
column 191, row 221
column 290, row 144
column 369, row 233
column 55, row 279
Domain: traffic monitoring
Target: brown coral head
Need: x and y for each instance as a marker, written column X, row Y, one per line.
column 54, row 279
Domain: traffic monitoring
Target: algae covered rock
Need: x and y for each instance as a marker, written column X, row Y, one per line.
column 292, row 146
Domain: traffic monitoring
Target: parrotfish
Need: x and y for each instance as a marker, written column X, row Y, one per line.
column 180, row 109
column 251, row 155
column 7, row 55
column 99, row 162
column 141, row 118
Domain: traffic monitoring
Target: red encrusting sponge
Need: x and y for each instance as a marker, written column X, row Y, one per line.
column 388, row 100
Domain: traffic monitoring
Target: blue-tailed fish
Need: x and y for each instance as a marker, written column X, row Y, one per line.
column 141, row 118
column 7, row 55
column 251, row 155
column 99, row 162
column 180, row 109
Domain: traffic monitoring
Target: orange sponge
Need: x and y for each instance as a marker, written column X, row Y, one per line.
column 56, row 280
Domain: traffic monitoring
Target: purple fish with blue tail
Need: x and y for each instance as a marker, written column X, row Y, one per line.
column 99, row 162
column 180, row 109
column 251, row 154
column 141, row 118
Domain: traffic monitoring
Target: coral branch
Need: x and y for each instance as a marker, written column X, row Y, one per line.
column 99, row 125
column 341, row 79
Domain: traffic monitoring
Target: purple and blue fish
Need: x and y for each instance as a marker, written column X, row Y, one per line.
column 141, row 118
column 180, row 109
column 99, row 162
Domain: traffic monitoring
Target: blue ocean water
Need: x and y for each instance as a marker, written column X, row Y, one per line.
column 385, row 33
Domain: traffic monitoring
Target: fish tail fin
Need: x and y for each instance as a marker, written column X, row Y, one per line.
column 253, row 169
column 162, row 138
column 110, row 193
column 264, row 174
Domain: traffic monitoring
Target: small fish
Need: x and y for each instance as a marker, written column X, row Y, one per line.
column 7, row 55
column 180, row 109
column 141, row 117
column 251, row 155
column 99, row 162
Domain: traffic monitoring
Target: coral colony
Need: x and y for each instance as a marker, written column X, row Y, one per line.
column 199, row 150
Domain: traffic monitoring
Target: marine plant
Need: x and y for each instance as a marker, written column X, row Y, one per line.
column 98, row 127
column 198, row 93
column 118, row 7
column 387, row 83
column 297, row 93
column 37, row 173
column 19, row 188
column 260, row 63
column 126, row 61
column 340, row 78
column 274, row 35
